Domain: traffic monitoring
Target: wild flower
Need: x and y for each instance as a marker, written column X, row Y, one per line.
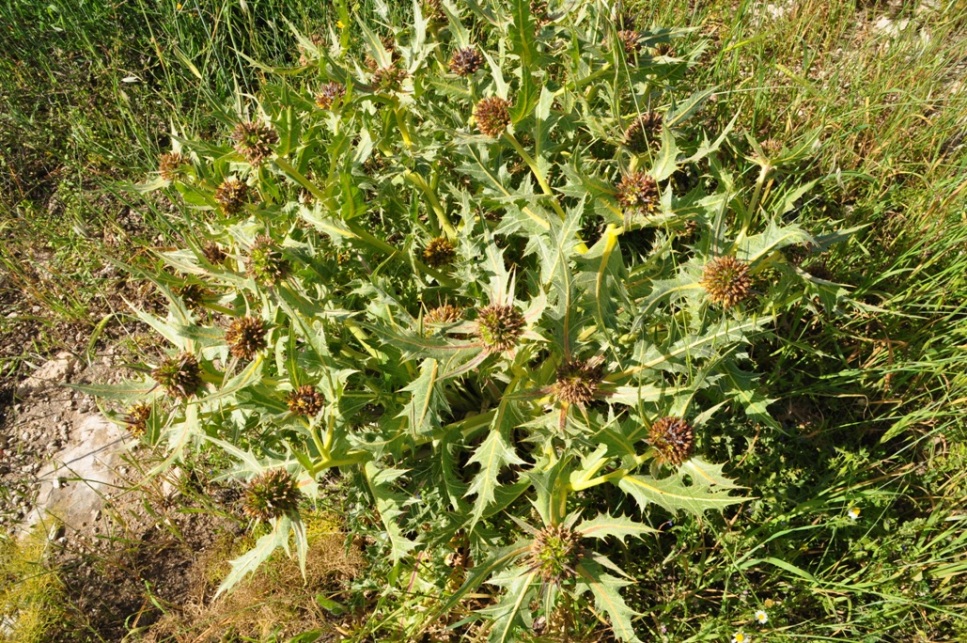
column 726, row 280
column 741, row 637
column 466, row 61
column 329, row 95
column 231, row 195
column 672, row 439
column 254, row 141
column 499, row 326
column 271, row 494
column 245, row 337
column 180, row 376
column 853, row 513
column 761, row 617
column 439, row 252
column 492, row 116
column 305, row 401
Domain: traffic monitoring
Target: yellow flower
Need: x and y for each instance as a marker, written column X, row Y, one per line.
column 178, row 7
column 740, row 637
column 853, row 513
column 340, row 24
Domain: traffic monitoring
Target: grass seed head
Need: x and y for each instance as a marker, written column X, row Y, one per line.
column 726, row 280
column 578, row 381
column 445, row 314
column 172, row 166
column 466, row 61
column 638, row 191
column 232, row 195
column 266, row 262
column 180, row 375
column 643, row 131
column 499, row 326
column 254, row 141
column 246, row 337
column 492, row 115
column 554, row 553
column 272, row 494
column 439, row 252
column 329, row 95
column 305, row 401
column 137, row 418
column 673, row 440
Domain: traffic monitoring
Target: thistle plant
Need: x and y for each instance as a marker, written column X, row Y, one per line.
column 180, row 376
column 231, row 195
column 588, row 341
column 254, row 141
column 246, row 337
column 271, row 494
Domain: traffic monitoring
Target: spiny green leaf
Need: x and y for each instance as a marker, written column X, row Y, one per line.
column 389, row 504
column 674, row 495
column 604, row 587
column 605, row 525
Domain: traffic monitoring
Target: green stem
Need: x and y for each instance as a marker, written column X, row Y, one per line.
column 419, row 182
column 532, row 164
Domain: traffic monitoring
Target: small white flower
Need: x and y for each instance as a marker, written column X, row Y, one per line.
column 740, row 637
column 761, row 617
column 853, row 513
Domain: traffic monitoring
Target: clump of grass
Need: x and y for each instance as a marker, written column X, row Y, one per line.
column 275, row 601
column 30, row 592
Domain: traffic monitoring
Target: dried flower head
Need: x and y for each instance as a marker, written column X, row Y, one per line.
column 433, row 10
column 306, row 401
column 638, row 191
column 389, row 79
column 726, row 280
column 172, row 166
column 232, row 195
column 554, row 553
column 213, row 253
column 266, row 262
column 492, row 115
column 439, row 252
column 193, row 295
column 499, row 326
column 673, row 440
column 271, row 494
column 329, row 95
column 180, row 375
column 445, row 314
column 630, row 41
column 245, row 337
column 643, row 131
column 466, row 61
column 578, row 381
column 136, row 418
column 254, row 141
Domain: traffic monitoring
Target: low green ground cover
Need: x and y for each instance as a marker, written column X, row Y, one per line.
column 850, row 445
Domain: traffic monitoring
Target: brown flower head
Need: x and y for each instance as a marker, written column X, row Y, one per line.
column 180, row 375
column 492, row 115
column 305, row 401
column 254, row 141
column 631, row 42
column 554, row 553
column 214, row 253
column 578, row 381
column 638, row 191
column 389, row 79
column 172, row 166
column 272, row 494
column 329, row 95
column 137, row 418
column 726, row 280
column 643, row 131
column 673, row 440
column 231, row 195
column 466, row 61
column 193, row 295
column 266, row 262
column 665, row 49
column 499, row 326
column 245, row 337
column 439, row 252
column 445, row 314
